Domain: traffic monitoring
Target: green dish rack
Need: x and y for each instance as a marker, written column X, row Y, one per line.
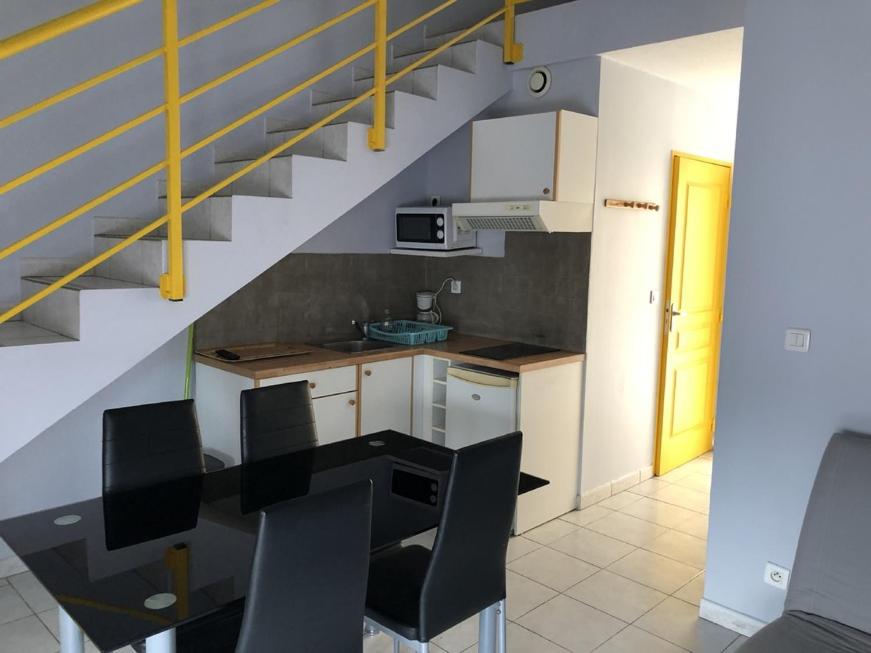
column 409, row 332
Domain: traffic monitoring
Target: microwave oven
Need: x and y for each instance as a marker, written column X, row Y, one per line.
column 430, row 227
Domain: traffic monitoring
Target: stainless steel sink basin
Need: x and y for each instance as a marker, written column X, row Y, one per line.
column 355, row 346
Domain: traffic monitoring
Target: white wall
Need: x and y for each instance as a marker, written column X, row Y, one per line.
column 642, row 118
column 798, row 257
column 64, row 463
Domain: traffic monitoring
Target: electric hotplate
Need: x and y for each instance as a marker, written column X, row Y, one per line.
column 509, row 351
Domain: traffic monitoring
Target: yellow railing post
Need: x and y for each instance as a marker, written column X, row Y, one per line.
column 172, row 282
column 378, row 131
column 512, row 51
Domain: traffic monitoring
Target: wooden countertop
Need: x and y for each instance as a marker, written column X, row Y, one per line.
column 324, row 359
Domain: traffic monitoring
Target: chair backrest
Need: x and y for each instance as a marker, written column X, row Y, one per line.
column 467, row 567
column 149, row 444
column 831, row 575
column 308, row 580
column 277, row 420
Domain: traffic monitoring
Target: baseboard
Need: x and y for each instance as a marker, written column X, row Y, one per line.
column 595, row 495
column 728, row 618
column 616, row 486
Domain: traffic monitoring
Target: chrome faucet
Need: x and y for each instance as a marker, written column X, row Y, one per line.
column 361, row 327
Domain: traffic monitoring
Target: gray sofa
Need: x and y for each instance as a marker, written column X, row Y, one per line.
column 828, row 604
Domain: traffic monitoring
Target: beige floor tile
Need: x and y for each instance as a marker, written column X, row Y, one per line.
column 618, row 596
column 572, row 624
column 649, row 486
column 697, row 526
column 681, row 547
column 26, row 635
column 586, row 516
column 684, row 497
column 653, row 570
column 521, row 640
column 381, row 643
column 32, row 591
column 635, row 640
column 679, row 623
column 693, row 591
column 550, row 532
column 12, row 606
column 696, row 481
column 11, row 566
column 524, row 595
column 675, row 474
column 592, row 547
column 700, row 465
column 619, row 501
column 659, row 512
column 629, row 529
column 554, row 569
column 49, row 618
column 460, row 637
column 520, row 546
column 736, row 645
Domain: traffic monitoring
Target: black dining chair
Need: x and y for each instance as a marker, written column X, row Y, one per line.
column 150, row 444
column 277, row 420
column 307, row 592
column 416, row 594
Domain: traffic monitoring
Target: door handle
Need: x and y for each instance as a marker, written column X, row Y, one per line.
column 672, row 313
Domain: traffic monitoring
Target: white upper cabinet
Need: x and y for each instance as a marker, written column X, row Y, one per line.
column 544, row 156
column 385, row 396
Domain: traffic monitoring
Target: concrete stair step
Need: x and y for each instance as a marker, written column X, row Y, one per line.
column 273, row 178
column 209, row 220
column 18, row 333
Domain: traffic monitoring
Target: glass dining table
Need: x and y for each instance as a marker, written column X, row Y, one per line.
column 134, row 566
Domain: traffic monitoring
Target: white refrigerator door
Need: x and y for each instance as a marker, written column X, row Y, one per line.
column 480, row 406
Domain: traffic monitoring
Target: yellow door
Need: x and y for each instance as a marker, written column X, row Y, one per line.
column 695, row 273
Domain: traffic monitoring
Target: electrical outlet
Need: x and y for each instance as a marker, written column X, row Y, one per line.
column 456, row 287
column 776, row 576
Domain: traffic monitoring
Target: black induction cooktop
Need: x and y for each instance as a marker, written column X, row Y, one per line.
column 509, row 351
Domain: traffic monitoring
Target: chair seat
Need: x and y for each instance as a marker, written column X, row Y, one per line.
column 395, row 582
column 797, row 632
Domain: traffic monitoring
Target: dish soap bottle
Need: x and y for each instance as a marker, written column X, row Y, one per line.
column 387, row 322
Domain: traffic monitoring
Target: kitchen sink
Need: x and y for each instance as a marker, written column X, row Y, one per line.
column 355, row 346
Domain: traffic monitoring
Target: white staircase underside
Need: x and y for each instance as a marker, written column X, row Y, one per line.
column 87, row 334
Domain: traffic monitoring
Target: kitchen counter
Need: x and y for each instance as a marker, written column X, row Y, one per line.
column 323, row 359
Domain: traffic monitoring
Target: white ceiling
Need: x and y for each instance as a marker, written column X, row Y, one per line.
column 710, row 62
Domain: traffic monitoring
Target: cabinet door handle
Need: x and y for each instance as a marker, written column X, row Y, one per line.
column 352, row 402
column 367, row 372
column 312, row 385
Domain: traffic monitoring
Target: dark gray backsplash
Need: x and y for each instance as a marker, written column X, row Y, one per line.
column 537, row 294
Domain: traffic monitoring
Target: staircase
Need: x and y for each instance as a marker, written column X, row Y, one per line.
column 70, row 345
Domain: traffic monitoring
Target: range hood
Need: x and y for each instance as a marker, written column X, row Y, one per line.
column 530, row 215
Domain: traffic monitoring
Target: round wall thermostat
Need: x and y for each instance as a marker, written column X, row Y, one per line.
column 539, row 81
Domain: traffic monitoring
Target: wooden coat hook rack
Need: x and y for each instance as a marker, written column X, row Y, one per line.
column 631, row 204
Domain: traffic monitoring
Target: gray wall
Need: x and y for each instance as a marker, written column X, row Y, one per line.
column 798, row 257
column 536, row 293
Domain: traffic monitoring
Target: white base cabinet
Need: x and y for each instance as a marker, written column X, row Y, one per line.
column 385, row 396
column 336, row 417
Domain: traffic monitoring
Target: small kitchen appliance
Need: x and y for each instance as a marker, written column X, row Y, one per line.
column 431, row 227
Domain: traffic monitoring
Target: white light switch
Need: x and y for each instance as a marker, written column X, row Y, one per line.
column 797, row 340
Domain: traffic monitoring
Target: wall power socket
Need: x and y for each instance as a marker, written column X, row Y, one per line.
column 776, row 576
column 456, row 287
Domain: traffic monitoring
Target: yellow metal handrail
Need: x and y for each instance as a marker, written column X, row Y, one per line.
column 172, row 282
